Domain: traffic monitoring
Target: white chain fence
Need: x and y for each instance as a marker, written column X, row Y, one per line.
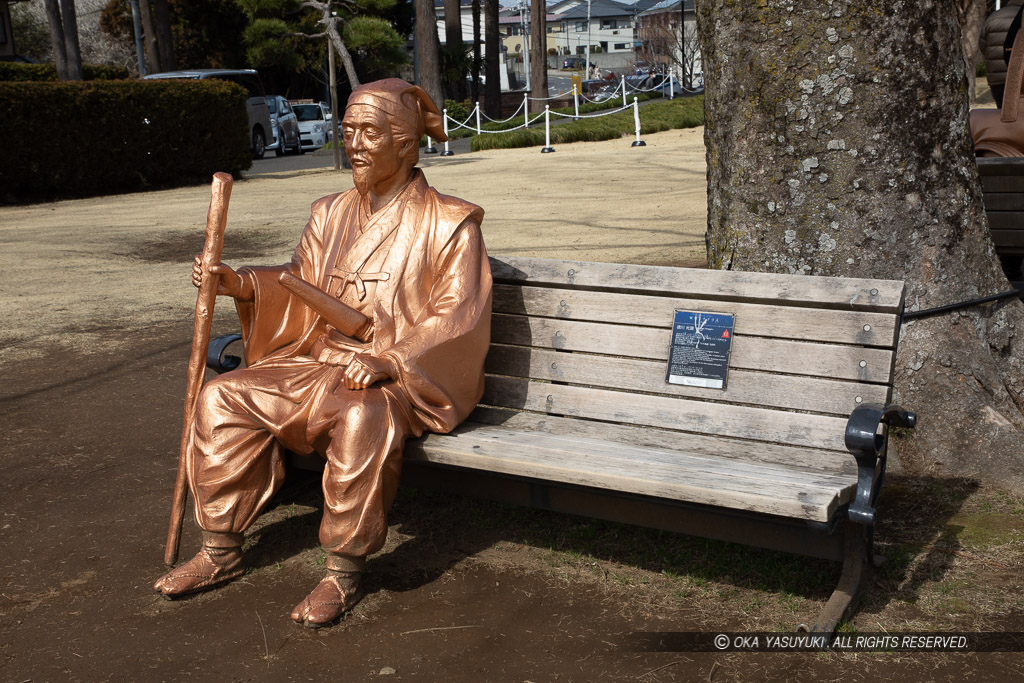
column 527, row 121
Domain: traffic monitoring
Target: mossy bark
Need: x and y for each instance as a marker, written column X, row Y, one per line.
column 838, row 144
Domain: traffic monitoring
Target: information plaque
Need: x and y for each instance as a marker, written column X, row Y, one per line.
column 699, row 356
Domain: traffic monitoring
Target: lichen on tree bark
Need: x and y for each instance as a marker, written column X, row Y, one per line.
column 838, row 144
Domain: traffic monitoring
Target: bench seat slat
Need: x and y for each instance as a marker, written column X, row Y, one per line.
column 763, row 474
column 654, row 437
column 820, row 292
column 1005, row 201
column 750, row 353
column 991, row 185
column 697, row 479
column 631, row 374
column 1012, row 239
column 758, row 424
column 788, row 322
column 1008, row 221
column 1000, row 166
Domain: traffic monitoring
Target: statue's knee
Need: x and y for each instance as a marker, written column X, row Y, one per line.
column 214, row 395
column 365, row 410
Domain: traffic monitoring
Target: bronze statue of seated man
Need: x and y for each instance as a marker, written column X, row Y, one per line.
column 412, row 262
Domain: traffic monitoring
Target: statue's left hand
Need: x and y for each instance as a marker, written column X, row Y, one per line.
column 365, row 370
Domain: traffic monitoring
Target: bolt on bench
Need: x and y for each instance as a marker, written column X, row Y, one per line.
column 578, row 417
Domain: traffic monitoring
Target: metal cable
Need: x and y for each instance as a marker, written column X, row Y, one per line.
column 928, row 312
column 515, row 114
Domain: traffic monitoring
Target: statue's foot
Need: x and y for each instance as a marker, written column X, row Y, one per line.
column 210, row 567
column 336, row 594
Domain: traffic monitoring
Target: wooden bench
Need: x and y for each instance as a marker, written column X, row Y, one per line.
column 577, row 415
column 1002, row 182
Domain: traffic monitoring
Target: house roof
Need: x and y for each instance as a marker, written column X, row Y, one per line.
column 600, row 8
column 515, row 19
column 668, row 6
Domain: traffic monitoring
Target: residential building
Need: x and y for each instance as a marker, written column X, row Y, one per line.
column 666, row 36
column 609, row 29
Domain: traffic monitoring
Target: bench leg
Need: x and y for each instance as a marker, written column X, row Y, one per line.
column 856, row 571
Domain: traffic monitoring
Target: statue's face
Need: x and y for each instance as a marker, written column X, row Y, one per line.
column 371, row 147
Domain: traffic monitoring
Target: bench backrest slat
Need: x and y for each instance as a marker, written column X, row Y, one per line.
column 743, row 422
column 751, row 353
column 1002, row 183
column 628, row 374
column 586, row 345
column 884, row 296
column 812, row 324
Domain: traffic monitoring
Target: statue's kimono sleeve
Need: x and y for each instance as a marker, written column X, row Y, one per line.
column 440, row 360
column 275, row 323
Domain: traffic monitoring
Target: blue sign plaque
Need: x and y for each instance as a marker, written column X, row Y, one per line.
column 701, row 342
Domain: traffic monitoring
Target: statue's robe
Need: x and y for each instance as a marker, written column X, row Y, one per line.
column 418, row 269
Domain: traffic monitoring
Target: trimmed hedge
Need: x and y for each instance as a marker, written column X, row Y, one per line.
column 17, row 71
column 79, row 139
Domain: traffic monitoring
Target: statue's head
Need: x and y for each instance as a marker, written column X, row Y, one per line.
column 383, row 124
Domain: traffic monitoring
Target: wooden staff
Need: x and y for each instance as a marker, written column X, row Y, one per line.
column 215, row 221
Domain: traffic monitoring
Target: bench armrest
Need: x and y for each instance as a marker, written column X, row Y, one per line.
column 216, row 359
column 869, row 449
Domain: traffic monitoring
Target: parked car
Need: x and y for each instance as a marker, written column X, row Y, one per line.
column 256, row 104
column 284, row 126
column 574, row 64
column 314, row 123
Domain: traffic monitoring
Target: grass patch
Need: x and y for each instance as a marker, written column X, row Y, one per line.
column 666, row 115
column 987, row 528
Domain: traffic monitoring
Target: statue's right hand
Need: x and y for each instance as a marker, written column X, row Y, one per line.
column 230, row 284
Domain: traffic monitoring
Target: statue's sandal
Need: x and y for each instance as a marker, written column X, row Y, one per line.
column 209, row 568
column 329, row 601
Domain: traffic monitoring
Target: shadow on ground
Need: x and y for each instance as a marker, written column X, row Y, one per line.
column 465, row 590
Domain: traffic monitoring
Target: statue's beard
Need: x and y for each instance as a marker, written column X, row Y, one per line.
column 361, row 178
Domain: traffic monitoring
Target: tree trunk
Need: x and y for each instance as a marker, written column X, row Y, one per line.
column 165, row 41
column 837, row 144
column 971, row 15
column 538, row 54
column 60, row 54
column 492, row 65
column 475, row 94
column 455, row 49
column 74, row 53
column 343, row 54
column 428, row 45
column 149, row 35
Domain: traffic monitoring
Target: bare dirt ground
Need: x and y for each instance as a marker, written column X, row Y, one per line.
column 96, row 322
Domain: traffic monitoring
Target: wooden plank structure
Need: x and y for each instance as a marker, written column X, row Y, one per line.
column 1002, row 182
column 577, row 415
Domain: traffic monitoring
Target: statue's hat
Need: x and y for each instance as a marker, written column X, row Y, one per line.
column 402, row 101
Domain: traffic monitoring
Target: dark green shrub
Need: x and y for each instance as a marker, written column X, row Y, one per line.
column 101, row 137
column 458, row 110
column 16, row 71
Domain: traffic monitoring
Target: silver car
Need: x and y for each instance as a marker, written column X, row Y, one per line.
column 284, row 127
column 314, row 124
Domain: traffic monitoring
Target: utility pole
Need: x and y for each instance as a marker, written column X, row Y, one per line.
column 586, row 64
column 539, row 60
column 524, row 27
column 334, row 107
column 140, row 52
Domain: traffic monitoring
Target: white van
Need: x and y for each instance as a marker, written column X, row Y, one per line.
column 256, row 104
